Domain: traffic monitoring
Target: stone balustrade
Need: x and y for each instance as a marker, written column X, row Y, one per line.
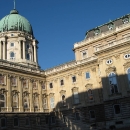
column 69, row 65
column 111, row 44
column 103, row 34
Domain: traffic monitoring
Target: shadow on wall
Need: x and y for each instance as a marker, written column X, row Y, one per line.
column 104, row 108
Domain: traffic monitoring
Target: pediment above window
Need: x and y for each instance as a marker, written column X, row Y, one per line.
column 26, row 93
column 51, row 94
column 44, row 95
column 15, row 92
column 75, row 89
column 88, row 86
column 2, row 91
column 111, row 69
column 62, row 92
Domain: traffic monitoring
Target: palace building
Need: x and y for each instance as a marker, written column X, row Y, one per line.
column 91, row 92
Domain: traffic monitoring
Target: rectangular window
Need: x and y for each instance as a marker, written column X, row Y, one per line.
column 117, row 109
column 45, row 103
column 76, row 98
column 92, row 114
column 38, row 120
column 77, row 115
column 74, row 79
column 53, row 120
column 34, row 85
column 16, row 122
column 1, row 79
column 27, row 121
column 87, row 75
column 51, row 85
column 52, row 102
column 84, row 54
column 62, row 82
column 3, row 122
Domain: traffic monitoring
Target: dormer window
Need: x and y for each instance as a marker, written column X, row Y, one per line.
column 110, row 26
column 125, row 20
column 96, row 32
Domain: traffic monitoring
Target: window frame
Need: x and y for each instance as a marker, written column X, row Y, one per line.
column 91, row 116
column 11, row 44
column 76, row 98
column 115, row 76
column 61, row 82
column 12, row 57
column 3, row 101
column 51, row 85
column 45, row 103
column 86, row 75
column 17, row 102
column 89, row 95
column 52, row 103
column 74, row 79
column 26, row 102
column 114, row 109
column 127, row 57
column 79, row 118
column 28, row 121
column 4, row 79
column 18, row 121
column 5, row 122
column 128, row 76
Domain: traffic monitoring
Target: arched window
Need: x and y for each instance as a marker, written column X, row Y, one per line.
column 113, row 83
column 2, row 100
column 90, row 94
column 25, row 103
column 12, row 55
column 128, row 74
column 15, row 100
column 28, row 56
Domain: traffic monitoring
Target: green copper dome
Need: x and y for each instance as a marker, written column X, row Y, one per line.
column 15, row 22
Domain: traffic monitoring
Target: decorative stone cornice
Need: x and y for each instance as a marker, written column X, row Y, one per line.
column 75, row 89
column 25, row 93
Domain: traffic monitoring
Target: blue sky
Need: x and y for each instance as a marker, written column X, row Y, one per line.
column 58, row 24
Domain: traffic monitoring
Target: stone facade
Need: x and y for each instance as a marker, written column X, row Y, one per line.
column 90, row 92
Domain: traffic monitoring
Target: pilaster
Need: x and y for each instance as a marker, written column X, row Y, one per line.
column 31, row 95
column 23, row 49
column 9, row 99
column 3, row 50
column 20, row 94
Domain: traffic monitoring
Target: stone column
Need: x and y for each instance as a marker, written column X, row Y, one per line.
column 23, row 49
column 0, row 51
column 20, row 95
column 35, row 49
column 9, row 95
column 31, row 96
column 20, row 50
column 3, row 50
column 40, row 96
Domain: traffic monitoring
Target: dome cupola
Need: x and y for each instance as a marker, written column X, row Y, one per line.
column 15, row 22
